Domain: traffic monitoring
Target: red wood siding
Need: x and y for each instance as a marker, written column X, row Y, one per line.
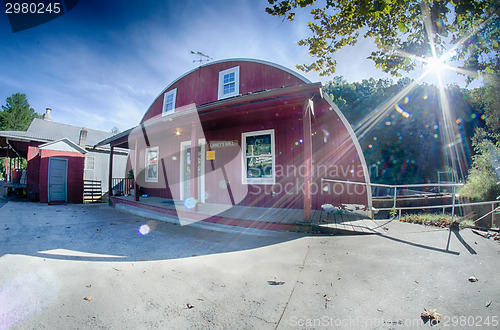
column 334, row 152
column 201, row 85
column 334, row 157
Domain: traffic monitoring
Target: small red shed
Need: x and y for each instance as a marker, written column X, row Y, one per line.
column 57, row 168
column 251, row 133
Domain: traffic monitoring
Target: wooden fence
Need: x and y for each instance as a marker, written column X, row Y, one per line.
column 92, row 191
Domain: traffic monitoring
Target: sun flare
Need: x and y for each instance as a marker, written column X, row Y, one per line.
column 436, row 65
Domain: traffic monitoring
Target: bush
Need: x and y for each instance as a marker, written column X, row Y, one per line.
column 430, row 219
column 482, row 182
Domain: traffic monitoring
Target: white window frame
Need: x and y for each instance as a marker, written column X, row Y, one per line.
column 146, row 177
column 244, row 178
column 87, row 159
column 165, row 97
column 236, row 92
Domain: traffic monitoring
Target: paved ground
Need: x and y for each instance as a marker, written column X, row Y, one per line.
column 52, row 257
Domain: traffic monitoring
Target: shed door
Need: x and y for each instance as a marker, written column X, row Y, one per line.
column 58, row 179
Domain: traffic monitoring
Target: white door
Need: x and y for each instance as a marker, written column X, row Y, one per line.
column 57, row 181
column 186, row 170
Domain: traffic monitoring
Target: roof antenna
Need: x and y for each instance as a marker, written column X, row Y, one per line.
column 202, row 59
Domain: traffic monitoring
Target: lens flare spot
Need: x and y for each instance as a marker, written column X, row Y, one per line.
column 388, row 123
column 436, row 136
column 473, row 116
column 351, row 171
column 144, row 230
column 401, row 111
column 174, row 158
column 425, row 96
column 301, row 140
column 190, row 203
column 436, row 126
column 459, row 120
column 326, row 188
column 370, row 146
column 222, row 184
column 406, row 100
column 326, row 134
column 483, row 117
column 375, row 138
column 296, row 143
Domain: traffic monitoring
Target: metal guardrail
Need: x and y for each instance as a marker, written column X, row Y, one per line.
column 396, row 209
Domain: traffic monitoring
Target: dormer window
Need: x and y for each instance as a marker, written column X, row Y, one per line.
column 169, row 102
column 229, row 83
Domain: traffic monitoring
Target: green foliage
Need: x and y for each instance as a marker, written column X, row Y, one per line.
column 482, row 182
column 401, row 29
column 17, row 114
column 487, row 99
column 405, row 149
column 432, row 219
column 115, row 130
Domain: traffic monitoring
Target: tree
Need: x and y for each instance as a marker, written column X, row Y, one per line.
column 17, row 114
column 411, row 125
column 483, row 178
column 403, row 30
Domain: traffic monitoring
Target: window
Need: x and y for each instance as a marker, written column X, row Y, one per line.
column 169, row 102
column 151, row 173
column 258, row 165
column 229, row 83
column 89, row 163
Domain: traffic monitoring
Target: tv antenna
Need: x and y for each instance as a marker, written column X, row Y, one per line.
column 203, row 57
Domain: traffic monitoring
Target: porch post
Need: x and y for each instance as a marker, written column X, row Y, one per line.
column 110, row 177
column 7, row 163
column 306, row 122
column 10, row 169
column 194, row 166
column 136, row 171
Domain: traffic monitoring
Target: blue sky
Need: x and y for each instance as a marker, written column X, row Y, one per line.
column 103, row 63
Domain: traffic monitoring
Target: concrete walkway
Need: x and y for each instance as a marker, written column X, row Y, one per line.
column 245, row 216
column 177, row 277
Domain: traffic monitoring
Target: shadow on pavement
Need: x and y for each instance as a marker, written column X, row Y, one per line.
column 464, row 243
column 427, row 247
column 99, row 233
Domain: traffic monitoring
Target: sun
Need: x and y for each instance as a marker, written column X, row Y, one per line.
column 436, row 65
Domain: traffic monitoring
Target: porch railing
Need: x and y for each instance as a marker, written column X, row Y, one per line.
column 122, row 185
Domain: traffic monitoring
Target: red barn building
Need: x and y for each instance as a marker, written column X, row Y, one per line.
column 250, row 133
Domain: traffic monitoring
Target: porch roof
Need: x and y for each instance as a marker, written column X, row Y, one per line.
column 225, row 111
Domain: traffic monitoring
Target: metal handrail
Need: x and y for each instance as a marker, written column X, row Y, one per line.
column 413, row 185
column 395, row 187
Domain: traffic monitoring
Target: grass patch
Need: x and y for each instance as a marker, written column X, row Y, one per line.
column 432, row 219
